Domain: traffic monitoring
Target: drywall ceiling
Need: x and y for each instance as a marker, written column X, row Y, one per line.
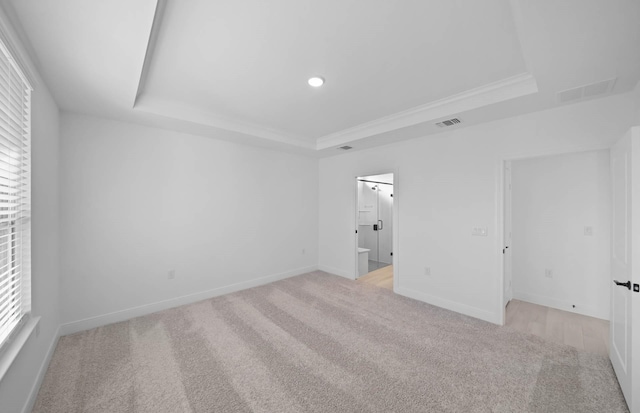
column 239, row 70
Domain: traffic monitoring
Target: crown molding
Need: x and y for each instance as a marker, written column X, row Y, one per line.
column 188, row 114
column 506, row 89
column 513, row 87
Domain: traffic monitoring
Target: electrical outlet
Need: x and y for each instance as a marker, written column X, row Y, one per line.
column 548, row 273
column 588, row 231
column 171, row 274
column 427, row 271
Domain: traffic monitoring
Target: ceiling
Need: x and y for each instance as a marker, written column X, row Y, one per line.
column 238, row 70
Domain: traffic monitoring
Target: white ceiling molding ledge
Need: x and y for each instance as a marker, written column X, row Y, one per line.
column 151, row 45
column 503, row 90
column 190, row 119
column 187, row 114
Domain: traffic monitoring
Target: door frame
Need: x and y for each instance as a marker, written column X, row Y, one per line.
column 508, row 240
column 395, row 219
column 501, row 309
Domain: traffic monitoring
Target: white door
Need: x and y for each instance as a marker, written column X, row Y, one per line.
column 625, row 261
column 507, row 248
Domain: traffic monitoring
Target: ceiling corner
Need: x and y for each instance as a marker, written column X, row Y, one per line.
column 151, row 45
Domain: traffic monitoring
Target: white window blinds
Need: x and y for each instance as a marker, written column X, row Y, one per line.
column 15, row 195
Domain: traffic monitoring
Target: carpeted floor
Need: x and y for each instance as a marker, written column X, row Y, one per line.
column 320, row 343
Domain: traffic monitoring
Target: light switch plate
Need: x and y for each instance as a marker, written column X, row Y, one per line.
column 480, row 232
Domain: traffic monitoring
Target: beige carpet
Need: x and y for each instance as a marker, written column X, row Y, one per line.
column 320, row 343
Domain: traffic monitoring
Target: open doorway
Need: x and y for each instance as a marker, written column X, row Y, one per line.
column 556, row 250
column 375, row 229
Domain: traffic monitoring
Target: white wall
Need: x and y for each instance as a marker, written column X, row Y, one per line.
column 138, row 201
column 446, row 185
column 636, row 93
column 21, row 381
column 554, row 199
column 20, row 384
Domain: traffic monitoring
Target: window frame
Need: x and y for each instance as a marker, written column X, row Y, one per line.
column 18, row 223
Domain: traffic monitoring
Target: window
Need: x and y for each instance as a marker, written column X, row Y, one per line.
column 15, row 195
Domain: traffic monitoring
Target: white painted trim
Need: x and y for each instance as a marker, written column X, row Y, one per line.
column 500, row 243
column 356, row 225
column 33, row 393
column 558, row 304
column 16, row 341
column 396, row 229
column 183, row 112
column 336, row 271
column 450, row 305
column 500, row 210
column 506, row 89
column 395, row 216
column 129, row 313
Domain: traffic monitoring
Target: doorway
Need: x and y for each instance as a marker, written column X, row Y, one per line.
column 556, row 250
column 375, row 228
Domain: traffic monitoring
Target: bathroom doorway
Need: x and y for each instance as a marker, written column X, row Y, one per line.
column 375, row 228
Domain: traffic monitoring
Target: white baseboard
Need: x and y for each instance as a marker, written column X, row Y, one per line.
column 560, row 305
column 451, row 305
column 336, row 271
column 33, row 393
column 123, row 315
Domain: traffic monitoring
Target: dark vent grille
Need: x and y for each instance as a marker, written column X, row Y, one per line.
column 448, row 122
column 345, row 148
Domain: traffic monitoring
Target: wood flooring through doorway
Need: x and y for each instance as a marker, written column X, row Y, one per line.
column 562, row 327
column 380, row 278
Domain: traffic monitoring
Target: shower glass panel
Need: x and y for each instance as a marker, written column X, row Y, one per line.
column 375, row 211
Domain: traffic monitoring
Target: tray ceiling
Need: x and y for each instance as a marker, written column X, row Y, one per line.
column 239, row 70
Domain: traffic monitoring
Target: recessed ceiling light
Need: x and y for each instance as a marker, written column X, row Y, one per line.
column 316, row 81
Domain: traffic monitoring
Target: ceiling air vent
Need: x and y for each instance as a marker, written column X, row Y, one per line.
column 345, row 148
column 448, row 122
column 586, row 91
